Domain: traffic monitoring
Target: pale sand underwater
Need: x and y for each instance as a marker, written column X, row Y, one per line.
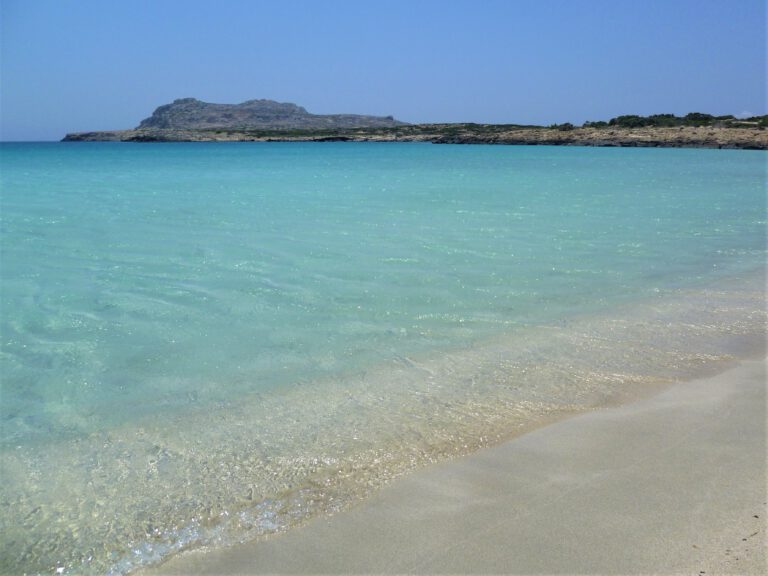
column 670, row 484
column 209, row 344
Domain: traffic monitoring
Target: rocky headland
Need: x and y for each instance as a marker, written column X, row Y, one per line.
column 193, row 114
column 190, row 120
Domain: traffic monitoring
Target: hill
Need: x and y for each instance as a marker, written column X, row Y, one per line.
column 193, row 114
column 191, row 120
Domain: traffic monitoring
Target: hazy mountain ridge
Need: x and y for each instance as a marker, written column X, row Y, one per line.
column 193, row 114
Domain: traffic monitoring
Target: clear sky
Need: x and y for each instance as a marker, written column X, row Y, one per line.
column 78, row 65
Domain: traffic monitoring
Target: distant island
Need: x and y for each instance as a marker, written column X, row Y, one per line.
column 191, row 120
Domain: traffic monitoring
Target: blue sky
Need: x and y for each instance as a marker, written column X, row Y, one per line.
column 77, row 65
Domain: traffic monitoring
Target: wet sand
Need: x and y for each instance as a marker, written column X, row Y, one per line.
column 671, row 484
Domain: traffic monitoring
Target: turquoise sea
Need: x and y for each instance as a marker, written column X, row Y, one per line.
column 208, row 343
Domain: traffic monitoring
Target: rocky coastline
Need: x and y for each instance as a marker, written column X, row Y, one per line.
column 650, row 137
column 192, row 120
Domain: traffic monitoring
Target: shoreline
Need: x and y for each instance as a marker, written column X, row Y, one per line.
column 216, row 459
column 463, row 420
column 658, row 137
column 670, row 483
column 250, row 360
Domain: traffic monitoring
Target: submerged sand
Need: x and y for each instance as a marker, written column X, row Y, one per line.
column 671, row 484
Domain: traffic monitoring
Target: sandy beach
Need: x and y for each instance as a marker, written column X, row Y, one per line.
column 670, row 484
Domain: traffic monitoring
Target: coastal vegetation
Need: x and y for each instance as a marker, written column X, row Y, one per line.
column 695, row 119
column 191, row 120
column 740, row 137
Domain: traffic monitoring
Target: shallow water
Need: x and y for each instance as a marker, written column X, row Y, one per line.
column 204, row 343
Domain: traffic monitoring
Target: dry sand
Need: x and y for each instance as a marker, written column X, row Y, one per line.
column 671, row 484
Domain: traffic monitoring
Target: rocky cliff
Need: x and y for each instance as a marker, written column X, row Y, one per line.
column 193, row 114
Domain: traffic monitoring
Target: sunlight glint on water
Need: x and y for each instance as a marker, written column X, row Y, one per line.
column 205, row 342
